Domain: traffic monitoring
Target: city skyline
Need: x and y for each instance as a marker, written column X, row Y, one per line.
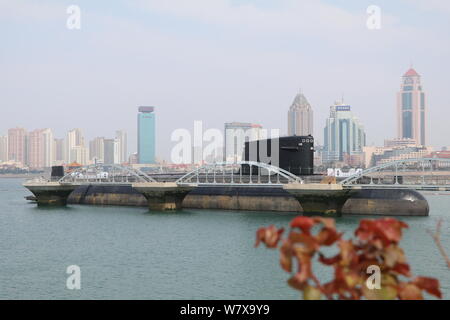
column 344, row 136
column 195, row 67
column 39, row 148
column 300, row 102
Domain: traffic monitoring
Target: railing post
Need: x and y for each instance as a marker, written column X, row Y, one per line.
column 240, row 174
column 431, row 171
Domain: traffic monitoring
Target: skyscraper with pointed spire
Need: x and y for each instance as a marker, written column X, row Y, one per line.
column 411, row 108
column 300, row 117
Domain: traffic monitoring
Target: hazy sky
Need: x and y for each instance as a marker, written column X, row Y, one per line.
column 218, row 61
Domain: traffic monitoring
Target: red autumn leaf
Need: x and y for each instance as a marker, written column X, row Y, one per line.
column 362, row 264
column 304, row 265
column 329, row 261
column 403, row 269
column 330, row 288
column 365, row 229
column 286, row 256
column 410, row 291
column 294, row 283
column 269, row 236
column 347, row 251
column 339, row 275
column 303, row 223
column 390, row 229
column 308, row 241
column 430, row 285
column 327, row 236
column 393, row 255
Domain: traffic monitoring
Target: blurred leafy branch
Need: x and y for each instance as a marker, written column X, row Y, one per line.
column 375, row 245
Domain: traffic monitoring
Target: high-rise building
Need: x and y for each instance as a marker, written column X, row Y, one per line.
column 146, row 135
column 79, row 155
column 48, row 147
column 17, row 145
column 110, row 146
column 59, row 155
column 236, row 134
column 35, row 149
column 3, row 148
column 411, row 108
column 133, row 159
column 122, row 152
column 40, row 148
column 300, row 117
column 74, row 139
column 97, row 150
column 344, row 136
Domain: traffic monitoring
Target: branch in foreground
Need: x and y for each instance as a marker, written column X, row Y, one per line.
column 437, row 239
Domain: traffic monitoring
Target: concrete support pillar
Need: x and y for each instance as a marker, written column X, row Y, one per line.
column 321, row 199
column 50, row 193
column 162, row 196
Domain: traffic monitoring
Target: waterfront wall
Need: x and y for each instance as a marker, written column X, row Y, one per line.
column 392, row 202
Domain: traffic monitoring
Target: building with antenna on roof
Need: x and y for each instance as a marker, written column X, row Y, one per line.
column 344, row 136
column 300, row 117
column 411, row 108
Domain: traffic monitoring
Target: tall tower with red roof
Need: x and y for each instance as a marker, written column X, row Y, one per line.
column 411, row 108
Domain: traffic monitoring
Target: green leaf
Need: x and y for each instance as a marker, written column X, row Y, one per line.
column 311, row 293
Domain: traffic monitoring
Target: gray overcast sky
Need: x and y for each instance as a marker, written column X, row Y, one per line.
column 217, row 61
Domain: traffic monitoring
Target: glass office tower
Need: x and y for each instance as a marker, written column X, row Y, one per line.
column 146, row 135
column 343, row 134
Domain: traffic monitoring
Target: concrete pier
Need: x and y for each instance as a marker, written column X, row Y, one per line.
column 162, row 196
column 50, row 193
column 316, row 198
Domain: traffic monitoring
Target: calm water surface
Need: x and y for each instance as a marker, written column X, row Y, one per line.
column 131, row 253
